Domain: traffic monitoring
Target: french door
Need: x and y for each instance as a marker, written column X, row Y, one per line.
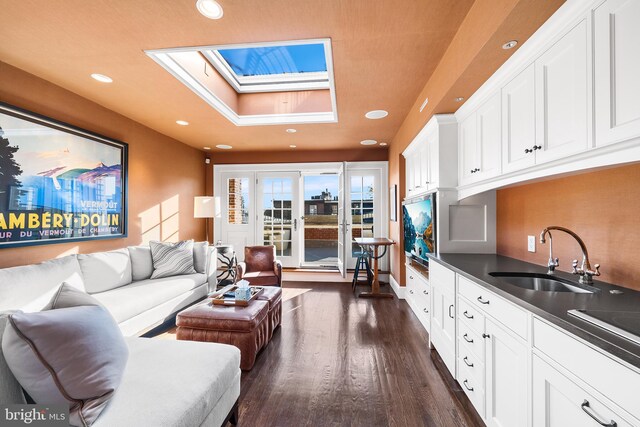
column 364, row 202
column 278, row 216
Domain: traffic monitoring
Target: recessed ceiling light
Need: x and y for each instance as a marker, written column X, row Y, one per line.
column 224, row 147
column 376, row 114
column 459, row 99
column 291, row 131
column 210, row 8
column 510, row 44
column 369, row 142
column 182, row 122
column 292, row 146
column 102, row 78
column 424, row 104
column 383, row 144
column 207, row 148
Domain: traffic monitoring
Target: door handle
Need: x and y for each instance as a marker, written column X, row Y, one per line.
column 295, row 224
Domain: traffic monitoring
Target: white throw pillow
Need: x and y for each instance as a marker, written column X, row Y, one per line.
column 200, row 254
column 73, row 356
column 141, row 262
column 172, row 259
column 104, row 271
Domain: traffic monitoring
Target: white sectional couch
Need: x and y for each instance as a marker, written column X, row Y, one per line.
column 166, row 383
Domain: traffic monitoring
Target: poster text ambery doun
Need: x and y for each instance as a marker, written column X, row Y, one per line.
column 48, row 224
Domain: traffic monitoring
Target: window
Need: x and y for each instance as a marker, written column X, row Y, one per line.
column 334, row 209
column 313, row 209
column 272, row 67
column 238, row 200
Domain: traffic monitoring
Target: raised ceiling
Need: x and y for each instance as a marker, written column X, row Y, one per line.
column 384, row 51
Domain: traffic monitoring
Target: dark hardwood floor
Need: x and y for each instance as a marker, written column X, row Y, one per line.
column 342, row 361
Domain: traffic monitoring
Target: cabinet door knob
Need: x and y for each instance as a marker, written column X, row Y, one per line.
column 527, row 151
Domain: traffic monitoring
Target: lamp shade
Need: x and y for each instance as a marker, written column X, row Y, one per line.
column 204, row 207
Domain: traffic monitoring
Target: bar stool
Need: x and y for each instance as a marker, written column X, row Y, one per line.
column 362, row 262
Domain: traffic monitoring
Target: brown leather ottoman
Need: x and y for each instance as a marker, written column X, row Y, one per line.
column 244, row 327
column 274, row 296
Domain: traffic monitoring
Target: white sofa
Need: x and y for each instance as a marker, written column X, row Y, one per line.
column 166, row 383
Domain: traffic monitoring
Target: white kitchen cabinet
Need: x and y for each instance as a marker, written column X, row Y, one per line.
column 560, row 402
column 617, row 71
column 506, row 377
column 418, row 295
column 518, row 121
column 481, row 143
column 561, row 97
column 443, row 313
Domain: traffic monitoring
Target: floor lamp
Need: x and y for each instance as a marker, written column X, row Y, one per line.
column 206, row 207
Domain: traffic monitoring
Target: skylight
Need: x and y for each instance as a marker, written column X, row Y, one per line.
column 272, row 67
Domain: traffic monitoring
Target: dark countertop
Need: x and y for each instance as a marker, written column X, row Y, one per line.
column 552, row 306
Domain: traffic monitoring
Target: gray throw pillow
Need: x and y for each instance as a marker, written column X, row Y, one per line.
column 68, row 296
column 73, row 356
column 172, row 259
column 200, row 255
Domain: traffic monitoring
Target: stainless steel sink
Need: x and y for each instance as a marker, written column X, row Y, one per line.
column 543, row 282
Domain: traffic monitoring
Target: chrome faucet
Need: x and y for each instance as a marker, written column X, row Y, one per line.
column 585, row 272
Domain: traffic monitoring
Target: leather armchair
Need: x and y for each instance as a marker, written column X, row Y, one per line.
column 260, row 266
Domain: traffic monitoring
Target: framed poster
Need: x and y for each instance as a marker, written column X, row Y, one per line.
column 393, row 203
column 58, row 183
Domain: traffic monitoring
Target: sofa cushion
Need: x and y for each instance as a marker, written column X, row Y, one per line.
column 72, row 355
column 103, row 271
column 171, row 383
column 261, row 278
column 172, row 259
column 200, row 253
column 10, row 390
column 129, row 301
column 141, row 262
column 31, row 287
column 68, row 296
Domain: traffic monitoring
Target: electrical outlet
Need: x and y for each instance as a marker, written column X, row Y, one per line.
column 531, row 243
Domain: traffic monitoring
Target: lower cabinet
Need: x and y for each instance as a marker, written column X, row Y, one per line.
column 418, row 296
column 443, row 313
column 560, row 402
column 507, row 382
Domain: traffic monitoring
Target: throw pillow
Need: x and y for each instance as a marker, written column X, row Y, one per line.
column 73, row 356
column 200, row 254
column 172, row 259
column 68, row 296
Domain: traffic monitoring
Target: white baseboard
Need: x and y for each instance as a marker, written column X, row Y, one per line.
column 399, row 290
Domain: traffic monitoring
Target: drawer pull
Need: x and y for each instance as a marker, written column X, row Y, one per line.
column 466, row 385
column 425, row 310
column 486, row 336
column 481, row 301
column 586, row 408
column 467, row 315
column 410, row 291
column 466, row 338
column 425, row 292
column 411, row 277
column 466, row 362
column 451, row 315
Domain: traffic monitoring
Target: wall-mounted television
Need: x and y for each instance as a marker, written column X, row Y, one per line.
column 419, row 221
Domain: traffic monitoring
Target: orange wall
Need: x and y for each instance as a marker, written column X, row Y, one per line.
column 164, row 174
column 602, row 207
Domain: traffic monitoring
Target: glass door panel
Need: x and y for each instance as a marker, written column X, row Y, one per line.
column 321, row 219
column 278, row 221
column 363, row 202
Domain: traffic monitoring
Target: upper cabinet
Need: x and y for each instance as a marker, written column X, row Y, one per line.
column 570, row 90
column 617, row 70
column 561, row 97
column 518, row 121
column 435, row 145
column 480, row 137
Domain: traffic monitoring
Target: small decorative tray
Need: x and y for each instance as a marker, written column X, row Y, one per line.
column 222, row 297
